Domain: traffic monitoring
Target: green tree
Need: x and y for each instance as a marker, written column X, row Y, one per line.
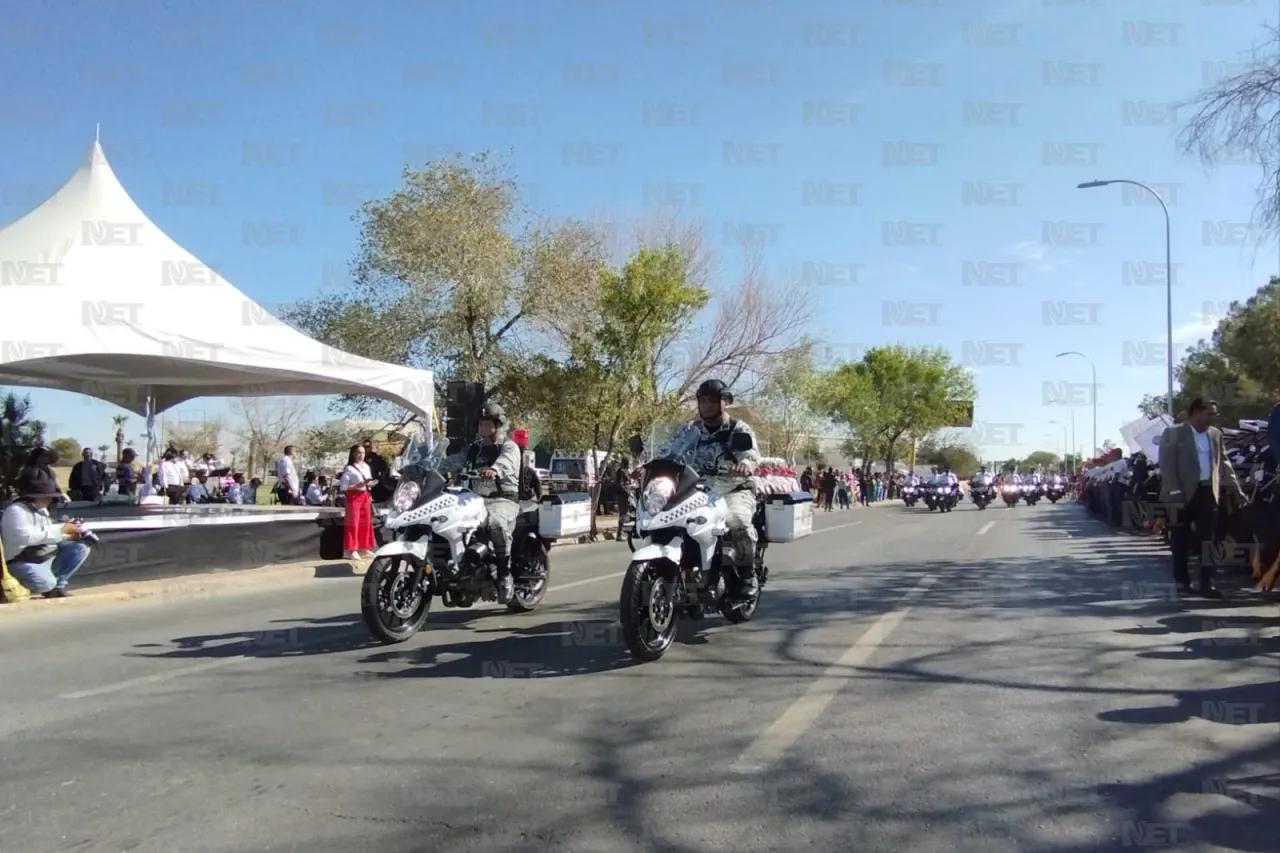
column 325, row 440
column 1042, row 459
column 453, row 273
column 959, row 456
column 19, row 435
column 784, row 405
column 66, row 448
column 603, row 387
column 1239, row 367
column 892, row 394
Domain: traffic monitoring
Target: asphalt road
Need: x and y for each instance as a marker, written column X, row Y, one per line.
column 913, row 682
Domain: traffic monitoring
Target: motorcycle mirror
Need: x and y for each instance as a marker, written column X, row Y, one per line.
column 636, row 445
column 741, row 442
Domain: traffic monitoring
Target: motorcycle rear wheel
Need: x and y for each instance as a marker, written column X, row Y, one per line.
column 643, row 592
column 530, row 594
column 391, row 611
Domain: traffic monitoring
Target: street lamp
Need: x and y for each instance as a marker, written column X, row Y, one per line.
column 1168, row 278
column 1094, row 368
column 1066, row 453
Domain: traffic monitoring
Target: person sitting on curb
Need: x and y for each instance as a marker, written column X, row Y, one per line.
column 41, row 554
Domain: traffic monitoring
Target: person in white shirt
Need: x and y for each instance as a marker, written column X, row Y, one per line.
column 288, row 487
column 40, row 554
column 171, row 479
column 314, row 493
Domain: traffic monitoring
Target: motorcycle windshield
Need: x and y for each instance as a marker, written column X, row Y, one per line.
column 422, row 460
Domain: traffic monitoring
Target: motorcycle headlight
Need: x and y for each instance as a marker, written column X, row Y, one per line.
column 657, row 492
column 407, row 494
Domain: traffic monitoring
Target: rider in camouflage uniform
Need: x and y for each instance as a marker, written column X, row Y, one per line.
column 708, row 441
column 499, row 485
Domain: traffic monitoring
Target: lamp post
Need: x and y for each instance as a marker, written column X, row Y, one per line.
column 1168, row 279
column 1094, row 368
column 1065, row 452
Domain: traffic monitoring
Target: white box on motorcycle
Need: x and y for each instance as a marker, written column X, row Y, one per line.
column 788, row 517
column 565, row 514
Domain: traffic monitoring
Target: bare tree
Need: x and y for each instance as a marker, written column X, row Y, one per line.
column 197, row 438
column 754, row 327
column 1240, row 116
column 268, row 425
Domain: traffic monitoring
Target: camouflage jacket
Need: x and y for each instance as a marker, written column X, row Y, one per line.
column 703, row 449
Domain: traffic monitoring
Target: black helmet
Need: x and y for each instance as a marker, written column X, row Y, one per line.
column 494, row 412
column 715, row 388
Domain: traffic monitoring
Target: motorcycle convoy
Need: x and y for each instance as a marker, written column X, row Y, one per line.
column 682, row 567
column 684, row 564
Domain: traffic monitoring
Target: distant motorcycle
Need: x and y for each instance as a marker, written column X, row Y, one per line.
column 1055, row 492
column 982, row 494
column 1011, row 494
column 910, row 495
column 1032, row 493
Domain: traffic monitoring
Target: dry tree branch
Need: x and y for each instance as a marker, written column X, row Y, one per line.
column 1240, row 115
column 754, row 324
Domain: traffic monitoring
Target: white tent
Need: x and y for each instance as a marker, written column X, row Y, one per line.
column 94, row 298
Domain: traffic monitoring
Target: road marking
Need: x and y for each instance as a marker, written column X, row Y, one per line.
column 153, row 679
column 835, row 527
column 572, row 584
column 982, row 531
column 796, row 720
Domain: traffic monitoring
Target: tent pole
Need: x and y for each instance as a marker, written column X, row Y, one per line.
column 151, row 437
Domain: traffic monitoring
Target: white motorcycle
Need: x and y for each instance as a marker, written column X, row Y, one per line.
column 684, row 565
column 442, row 550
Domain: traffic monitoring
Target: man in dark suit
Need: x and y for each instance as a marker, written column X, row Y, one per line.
column 1194, row 471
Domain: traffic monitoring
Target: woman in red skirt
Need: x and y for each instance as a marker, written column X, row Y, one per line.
column 357, row 525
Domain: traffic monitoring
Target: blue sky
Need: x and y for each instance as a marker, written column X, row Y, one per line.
column 290, row 111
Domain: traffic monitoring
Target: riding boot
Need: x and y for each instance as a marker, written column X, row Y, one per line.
column 747, row 585
column 506, row 584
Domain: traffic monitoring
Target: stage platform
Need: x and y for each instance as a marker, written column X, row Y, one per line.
column 155, row 542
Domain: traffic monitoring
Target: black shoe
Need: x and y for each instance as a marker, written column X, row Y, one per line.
column 748, row 587
column 1210, row 591
column 56, row 593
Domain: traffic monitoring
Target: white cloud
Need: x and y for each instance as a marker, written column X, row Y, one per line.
column 1035, row 255
column 1201, row 327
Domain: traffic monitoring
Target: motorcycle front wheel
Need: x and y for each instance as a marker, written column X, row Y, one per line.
column 393, row 607
column 647, row 612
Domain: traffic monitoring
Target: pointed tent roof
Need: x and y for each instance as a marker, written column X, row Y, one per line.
column 98, row 300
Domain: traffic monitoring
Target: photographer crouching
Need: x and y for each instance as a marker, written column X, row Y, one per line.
column 40, row 553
